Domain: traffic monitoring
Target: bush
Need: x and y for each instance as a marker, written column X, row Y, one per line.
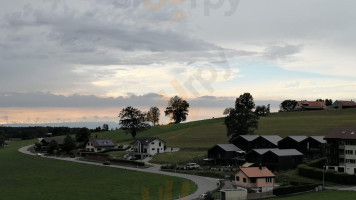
column 127, row 162
column 293, row 189
column 330, row 175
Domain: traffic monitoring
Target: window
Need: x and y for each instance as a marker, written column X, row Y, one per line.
column 159, row 144
column 237, row 178
column 350, row 152
column 153, row 149
column 244, row 180
column 268, row 180
column 253, row 180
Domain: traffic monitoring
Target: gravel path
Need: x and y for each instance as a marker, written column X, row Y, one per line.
column 204, row 184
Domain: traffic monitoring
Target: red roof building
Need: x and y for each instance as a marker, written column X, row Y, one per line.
column 256, row 178
column 310, row 105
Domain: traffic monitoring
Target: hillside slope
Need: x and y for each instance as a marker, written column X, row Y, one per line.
column 206, row 133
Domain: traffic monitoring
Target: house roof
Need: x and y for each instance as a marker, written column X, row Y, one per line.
column 272, row 138
column 346, row 103
column 318, row 138
column 312, row 104
column 279, row 152
column 256, row 172
column 342, row 133
column 261, row 151
column 229, row 147
column 249, row 137
column 49, row 139
column 297, row 138
column 146, row 140
column 286, row 152
column 102, row 142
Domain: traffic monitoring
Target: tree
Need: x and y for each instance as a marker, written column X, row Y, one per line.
column 262, row 111
column 241, row 120
column 52, row 147
column 328, row 102
column 177, row 109
column 227, row 111
column 41, row 132
column 153, row 115
column 2, row 138
column 133, row 120
column 105, row 127
column 288, row 105
column 82, row 135
column 68, row 144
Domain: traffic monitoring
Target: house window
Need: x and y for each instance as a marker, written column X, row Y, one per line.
column 153, row 149
column 244, row 180
column 253, row 180
column 350, row 152
column 159, row 144
column 237, row 178
column 268, row 180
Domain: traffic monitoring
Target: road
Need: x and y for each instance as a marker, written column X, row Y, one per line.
column 204, row 184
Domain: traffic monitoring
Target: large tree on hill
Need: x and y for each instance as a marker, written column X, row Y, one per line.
column 68, row 144
column 133, row 120
column 153, row 115
column 82, row 135
column 288, row 105
column 177, row 109
column 241, row 120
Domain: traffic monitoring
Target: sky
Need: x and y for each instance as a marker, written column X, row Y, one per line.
column 84, row 60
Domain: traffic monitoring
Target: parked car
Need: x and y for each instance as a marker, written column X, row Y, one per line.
column 106, row 163
column 39, row 154
column 72, row 156
column 192, row 166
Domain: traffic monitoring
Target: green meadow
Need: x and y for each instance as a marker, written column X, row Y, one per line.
column 29, row 177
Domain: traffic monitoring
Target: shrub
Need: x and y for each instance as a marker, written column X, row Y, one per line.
column 293, row 189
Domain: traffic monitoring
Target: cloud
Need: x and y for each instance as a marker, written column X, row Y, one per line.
column 282, row 52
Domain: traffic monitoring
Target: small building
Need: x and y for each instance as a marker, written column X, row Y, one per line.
column 310, row 105
column 226, row 153
column 343, row 104
column 233, row 194
column 245, row 142
column 45, row 141
column 341, row 150
column 259, row 179
column 291, row 142
column 313, row 147
column 266, row 142
column 96, row 144
column 147, row 146
column 282, row 159
column 275, row 159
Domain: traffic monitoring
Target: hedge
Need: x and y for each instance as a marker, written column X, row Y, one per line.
column 293, row 189
column 330, row 175
column 127, row 162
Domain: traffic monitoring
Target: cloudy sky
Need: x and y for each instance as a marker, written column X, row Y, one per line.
column 84, row 60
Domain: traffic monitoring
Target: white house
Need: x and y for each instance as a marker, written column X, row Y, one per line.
column 95, row 144
column 148, row 146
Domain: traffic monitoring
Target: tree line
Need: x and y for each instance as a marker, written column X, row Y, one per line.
column 133, row 120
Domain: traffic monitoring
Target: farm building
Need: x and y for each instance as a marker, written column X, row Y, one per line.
column 226, row 154
column 313, row 147
column 291, row 142
column 310, row 105
column 343, row 104
column 245, row 142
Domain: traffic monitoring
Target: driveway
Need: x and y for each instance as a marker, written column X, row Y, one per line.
column 204, row 184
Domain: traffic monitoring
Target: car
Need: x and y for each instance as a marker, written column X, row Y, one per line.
column 203, row 196
column 72, row 156
column 192, row 166
column 106, row 163
column 39, row 154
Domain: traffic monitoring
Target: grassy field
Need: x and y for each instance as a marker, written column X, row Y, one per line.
column 324, row 195
column 206, row 133
column 29, row 177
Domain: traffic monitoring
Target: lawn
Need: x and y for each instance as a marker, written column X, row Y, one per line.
column 324, row 195
column 29, row 177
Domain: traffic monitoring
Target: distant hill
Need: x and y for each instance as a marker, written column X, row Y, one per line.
column 90, row 125
column 206, row 133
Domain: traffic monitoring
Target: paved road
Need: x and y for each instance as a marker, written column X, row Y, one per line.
column 204, row 184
